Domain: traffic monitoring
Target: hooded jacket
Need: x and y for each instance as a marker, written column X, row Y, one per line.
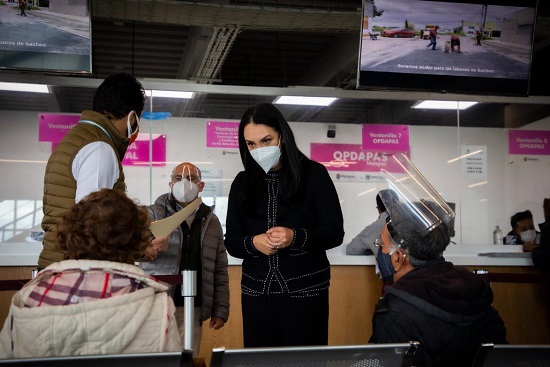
column 139, row 321
column 444, row 307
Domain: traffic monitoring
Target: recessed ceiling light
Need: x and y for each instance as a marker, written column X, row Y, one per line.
column 169, row 94
column 305, row 101
column 443, row 105
column 25, row 87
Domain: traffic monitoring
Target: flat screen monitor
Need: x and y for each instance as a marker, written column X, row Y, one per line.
column 481, row 46
column 46, row 36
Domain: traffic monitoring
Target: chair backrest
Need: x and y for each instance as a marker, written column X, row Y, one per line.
column 371, row 355
column 164, row 359
column 511, row 355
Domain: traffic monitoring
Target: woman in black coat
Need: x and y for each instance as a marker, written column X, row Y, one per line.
column 283, row 214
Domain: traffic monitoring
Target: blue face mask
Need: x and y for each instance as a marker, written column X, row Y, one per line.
column 384, row 265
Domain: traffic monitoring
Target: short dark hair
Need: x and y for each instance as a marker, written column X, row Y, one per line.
column 520, row 216
column 105, row 225
column 380, row 204
column 118, row 95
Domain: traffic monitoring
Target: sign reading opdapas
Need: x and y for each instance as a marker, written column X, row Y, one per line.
column 385, row 138
column 138, row 154
column 529, row 142
column 53, row 127
column 222, row 134
column 351, row 157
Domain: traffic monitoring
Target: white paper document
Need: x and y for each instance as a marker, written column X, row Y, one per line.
column 164, row 227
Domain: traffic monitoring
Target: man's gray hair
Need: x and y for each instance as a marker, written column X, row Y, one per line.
column 421, row 247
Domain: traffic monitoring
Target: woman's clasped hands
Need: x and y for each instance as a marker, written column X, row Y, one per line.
column 275, row 239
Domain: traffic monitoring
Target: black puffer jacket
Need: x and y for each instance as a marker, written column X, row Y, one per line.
column 446, row 308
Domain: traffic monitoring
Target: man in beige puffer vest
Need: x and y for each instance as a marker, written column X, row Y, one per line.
column 89, row 157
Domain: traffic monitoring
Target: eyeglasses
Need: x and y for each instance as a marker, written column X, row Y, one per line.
column 378, row 243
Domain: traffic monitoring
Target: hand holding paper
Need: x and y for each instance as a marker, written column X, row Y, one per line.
column 167, row 225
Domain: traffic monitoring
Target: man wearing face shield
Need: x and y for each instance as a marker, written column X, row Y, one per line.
column 89, row 157
column 446, row 308
column 197, row 244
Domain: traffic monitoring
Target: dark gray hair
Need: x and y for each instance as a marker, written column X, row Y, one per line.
column 405, row 231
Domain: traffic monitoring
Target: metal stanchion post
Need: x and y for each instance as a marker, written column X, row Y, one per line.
column 188, row 291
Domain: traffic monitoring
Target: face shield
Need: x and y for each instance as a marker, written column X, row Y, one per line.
column 412, row 199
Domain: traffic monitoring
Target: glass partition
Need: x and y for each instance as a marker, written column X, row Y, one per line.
column 489, row 161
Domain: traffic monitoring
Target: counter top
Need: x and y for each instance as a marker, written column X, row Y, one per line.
column 26, row 254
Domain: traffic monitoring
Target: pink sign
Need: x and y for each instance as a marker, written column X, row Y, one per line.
column 53, row 127
column 137, row 154
column 530, row 142
column 351, row 157
column 385, row 138
column 221, row 134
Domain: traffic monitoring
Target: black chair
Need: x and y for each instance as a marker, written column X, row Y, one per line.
column 164, row 359
column 371, row 355
column 512, row 355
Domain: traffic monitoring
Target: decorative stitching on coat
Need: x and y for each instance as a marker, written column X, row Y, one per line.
column 308, row 274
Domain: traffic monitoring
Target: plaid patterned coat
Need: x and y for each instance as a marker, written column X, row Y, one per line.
column 80, row 307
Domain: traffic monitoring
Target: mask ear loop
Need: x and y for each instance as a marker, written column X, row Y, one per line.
column 128, row 125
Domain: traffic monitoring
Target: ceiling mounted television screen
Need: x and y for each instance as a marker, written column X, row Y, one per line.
column 469, row 47
column 46, row 36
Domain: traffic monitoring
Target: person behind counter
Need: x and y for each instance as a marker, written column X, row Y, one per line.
column 363, row 243
column 541, row 253
column 96, row 301
column 283, row 214
column 523, row 231
column 446, row 308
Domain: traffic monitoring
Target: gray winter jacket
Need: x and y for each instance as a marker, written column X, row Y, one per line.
column 215, row 278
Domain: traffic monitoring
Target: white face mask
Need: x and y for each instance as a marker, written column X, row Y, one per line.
column 266, row 157
column 185, row 191
column 528, row 236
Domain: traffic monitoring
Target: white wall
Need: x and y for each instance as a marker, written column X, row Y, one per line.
column 510, row 187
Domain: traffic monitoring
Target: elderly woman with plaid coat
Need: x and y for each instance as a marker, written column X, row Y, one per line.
column 97, row 301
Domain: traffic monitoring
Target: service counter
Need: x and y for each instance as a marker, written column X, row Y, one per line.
column 355, row 289
column 26, row 254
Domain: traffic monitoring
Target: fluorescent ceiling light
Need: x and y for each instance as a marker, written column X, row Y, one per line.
column 443, row 105
column 305, row 101
column 169, row 94
column 24, row 87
